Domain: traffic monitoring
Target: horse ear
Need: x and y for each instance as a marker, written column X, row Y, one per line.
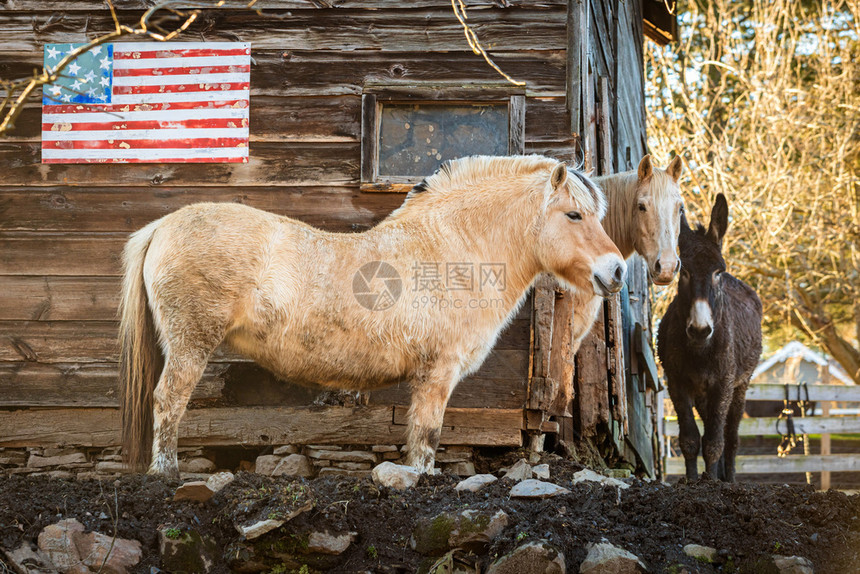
column 559, row 176
column 645, row 169
column 719, row 219
column 675, row 167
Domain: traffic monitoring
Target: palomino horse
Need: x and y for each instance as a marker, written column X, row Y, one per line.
column 643, row 213
column 339, row 309
column 709, row 343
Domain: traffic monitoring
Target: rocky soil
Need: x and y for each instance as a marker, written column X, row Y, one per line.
column 283, row 524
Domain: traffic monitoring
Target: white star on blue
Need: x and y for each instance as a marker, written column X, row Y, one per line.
column 87, row 80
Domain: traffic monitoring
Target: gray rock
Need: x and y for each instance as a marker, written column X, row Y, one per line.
column 353, row 465
column 445, row 456
column 27, row 561
column 521, row 470
column 259, row 528
column 342, row 456
column 701, row 553
column 267, row 464
column 286, row 449
column 792, row 565
column 384, row 448
column 541, row 471
column 62, row 460
column 604, row 558
column 591, row 476
column 475, row 483
column 219, row 480
column 72, row 550
column 197, row 465
column 196, row 491
column 536, row 489
column 538, row 557
column 395, row 475
column 294, row 465
column 111, row 467
column 475, row 530
column 328, row 543
column 188, row 552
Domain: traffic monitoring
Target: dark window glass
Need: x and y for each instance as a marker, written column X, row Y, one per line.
column 416, row 138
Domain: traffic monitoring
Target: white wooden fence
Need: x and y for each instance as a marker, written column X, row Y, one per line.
column 824, row 425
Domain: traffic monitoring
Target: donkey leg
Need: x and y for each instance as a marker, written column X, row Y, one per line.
column 688, row 432
column 713, row 440
column 171, row 395
column 733, row 420
column 430, row 395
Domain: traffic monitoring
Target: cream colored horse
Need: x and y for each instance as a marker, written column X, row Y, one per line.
column 643, row 215
column 421, row 297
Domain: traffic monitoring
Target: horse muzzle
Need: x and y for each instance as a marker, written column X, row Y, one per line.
column 608, row 275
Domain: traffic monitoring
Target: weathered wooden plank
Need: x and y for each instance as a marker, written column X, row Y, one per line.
column 496, row 419
column 766, row 464
column 90, row 6
column 562, row 364
column 95, row 342
column 281, row 163
column 80, row 385
column 841, row 393
column 768, row 425
column 247, row 426
column 302, row 74
column 58, row 254
column 592, row 381
column 59, row 298
column 320, row 118
column 118, row 209
column 425, row 30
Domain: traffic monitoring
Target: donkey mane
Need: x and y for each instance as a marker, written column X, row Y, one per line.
column 459, row 175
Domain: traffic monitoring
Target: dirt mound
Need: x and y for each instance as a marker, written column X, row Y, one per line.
column 652, row 520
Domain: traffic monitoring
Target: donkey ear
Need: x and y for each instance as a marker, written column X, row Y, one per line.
column 559, row 176
column 645, row 169
column 719, row 219
column 675, row 167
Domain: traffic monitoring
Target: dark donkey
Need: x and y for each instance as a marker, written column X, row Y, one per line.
column 709, row 343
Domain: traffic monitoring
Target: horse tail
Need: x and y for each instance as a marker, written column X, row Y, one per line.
column 140, row 358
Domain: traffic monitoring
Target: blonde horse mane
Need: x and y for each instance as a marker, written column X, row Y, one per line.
column 459, row 175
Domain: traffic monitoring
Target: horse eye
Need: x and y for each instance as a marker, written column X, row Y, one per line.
column 574, row 216
column 642, row 208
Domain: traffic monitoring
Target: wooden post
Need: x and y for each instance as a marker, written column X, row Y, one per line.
column 825, row 437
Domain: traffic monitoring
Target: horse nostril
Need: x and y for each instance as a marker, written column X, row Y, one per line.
column 677, row 265
column 618, row 276
column 657, row 267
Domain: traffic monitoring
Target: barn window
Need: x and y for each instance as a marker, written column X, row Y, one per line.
column 408, row 132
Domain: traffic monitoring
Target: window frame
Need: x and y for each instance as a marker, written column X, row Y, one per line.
column 374, row 97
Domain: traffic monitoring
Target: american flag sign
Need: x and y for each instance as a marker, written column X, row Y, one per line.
column 148, row 102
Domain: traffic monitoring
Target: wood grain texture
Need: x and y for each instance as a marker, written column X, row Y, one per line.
column 765, row 464
column 255, row 426
column 421, row 30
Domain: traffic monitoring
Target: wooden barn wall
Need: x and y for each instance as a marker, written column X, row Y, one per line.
column 613, row 406
column 62, row 227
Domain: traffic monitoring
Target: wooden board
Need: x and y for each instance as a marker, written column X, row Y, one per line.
column 420, row 30
column 252, row 426
column 841, row 393
column 118, row 209
column 768, row 425
column 273, row 163
column 95, row 341
column 267, row 5
column 80, row 385
column 765, row 464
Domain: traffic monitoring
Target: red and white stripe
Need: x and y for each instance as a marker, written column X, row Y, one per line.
column 174, row 102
